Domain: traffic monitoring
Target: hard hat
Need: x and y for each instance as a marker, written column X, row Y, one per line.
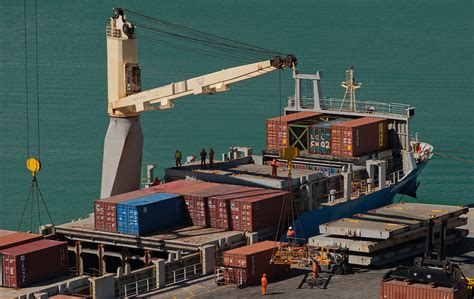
column 264, row 274
column 274, row 160
column 291, row 227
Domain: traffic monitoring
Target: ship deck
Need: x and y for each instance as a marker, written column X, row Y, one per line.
column 188, row 238
column 240, row 172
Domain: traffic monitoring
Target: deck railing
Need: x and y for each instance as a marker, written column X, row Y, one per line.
column 361, row 106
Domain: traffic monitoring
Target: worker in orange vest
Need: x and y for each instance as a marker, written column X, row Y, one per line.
column 315, row 269
column 291, row 234
column 264, row 284
column 274, row 165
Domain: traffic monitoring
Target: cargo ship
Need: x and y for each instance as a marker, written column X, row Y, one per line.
column 353, row 156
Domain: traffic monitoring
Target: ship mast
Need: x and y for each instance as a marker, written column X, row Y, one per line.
column 350, row 87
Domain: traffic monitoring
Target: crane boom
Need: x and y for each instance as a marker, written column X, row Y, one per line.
column 162, row 97
column 123, row 143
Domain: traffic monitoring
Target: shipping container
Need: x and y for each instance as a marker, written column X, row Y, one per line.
column 33, row 262
column 320, row 137
column 168, row 187
column 277, row 128
column 256, row 212
column 197, row 203
column 4, row 232
column 18, row 238
column 359, row 137
column 248, row 263
column 150, row 214
column 394, row 289
column 105, row 210
column 194, row 188
column 219, row 207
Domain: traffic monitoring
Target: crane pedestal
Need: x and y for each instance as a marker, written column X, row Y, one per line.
column 123, row 148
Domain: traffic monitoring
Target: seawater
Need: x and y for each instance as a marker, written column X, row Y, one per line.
column 417, row 52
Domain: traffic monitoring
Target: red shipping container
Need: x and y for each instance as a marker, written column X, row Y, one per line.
column 105, row 210
column 248, row 263
column 394, row 289
column 168, row 187
column 219, row 206
column 197, row 202
column 277, row 128
column 4, row 232
column 256, row 212
column 33, row 262
column 18, row 238
column 359, row 137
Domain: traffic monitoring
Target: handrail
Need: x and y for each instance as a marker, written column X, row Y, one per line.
column 361, row 106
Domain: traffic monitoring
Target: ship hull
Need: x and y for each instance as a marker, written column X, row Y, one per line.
column 307, row 224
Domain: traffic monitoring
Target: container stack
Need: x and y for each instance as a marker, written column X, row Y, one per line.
column 391, row 233
column 184, row 202
column 27, row 258
column 359, row 137
column 341, row 137
column 277, row 128
column 150, row 214
column 246, row 265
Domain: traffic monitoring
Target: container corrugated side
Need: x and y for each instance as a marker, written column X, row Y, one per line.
column 394, row 289
column 105, row 210
column 33, row 262
column 4, row 232
column 277, row 128
column 150, row 214
column 18, row 238
column 252, row 261
column 320, row 137
column 256, row 212
column 197, row 203
column 219, row 206
column 359, row 137
column 168, row 187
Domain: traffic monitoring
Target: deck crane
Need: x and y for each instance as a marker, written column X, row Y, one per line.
column 123, row 144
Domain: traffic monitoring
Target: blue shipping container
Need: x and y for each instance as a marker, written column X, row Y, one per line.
column 320, row 137
column 150, row 214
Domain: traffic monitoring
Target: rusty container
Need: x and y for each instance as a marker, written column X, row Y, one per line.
column 33, row 262
column 105, row 210
column 18, row 238
column 219, row 207
column 197, row 203
column 394, row 289
column 168, row 187
column 4, row 232
column 256, row 212
column 359, row 137
column 247, row 264
column 190, row 207
column 277, row 128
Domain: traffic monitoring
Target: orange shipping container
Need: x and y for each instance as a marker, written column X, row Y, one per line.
column 277, row 128
column 394, row 289
column 359, row 137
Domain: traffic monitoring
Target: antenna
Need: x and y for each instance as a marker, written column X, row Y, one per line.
column 350, row 87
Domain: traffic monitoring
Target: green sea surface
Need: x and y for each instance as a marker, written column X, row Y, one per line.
column 416, row 52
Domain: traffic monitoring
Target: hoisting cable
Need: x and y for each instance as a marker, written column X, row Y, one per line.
column 189, row 49
column 33, row 164
column 206, row 43
column 209, row 36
